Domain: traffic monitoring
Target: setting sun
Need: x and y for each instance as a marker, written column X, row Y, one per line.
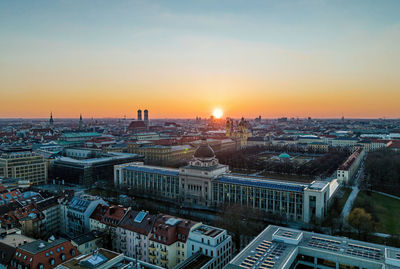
column 218, row 113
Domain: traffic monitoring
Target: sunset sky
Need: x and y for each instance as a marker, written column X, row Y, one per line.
column 183, row 59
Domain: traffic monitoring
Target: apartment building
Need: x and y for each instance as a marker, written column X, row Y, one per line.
column 212, row 242
column 42, row 254
column 347, row 170
column 78, row 213
column 133, row 234
column 168, row 240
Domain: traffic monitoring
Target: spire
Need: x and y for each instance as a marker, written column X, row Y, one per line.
column 80, row 122
column 51, row 121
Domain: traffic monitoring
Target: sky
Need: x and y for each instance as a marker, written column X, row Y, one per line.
column 182, row 59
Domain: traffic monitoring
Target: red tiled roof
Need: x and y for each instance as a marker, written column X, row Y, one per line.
column 2, row 189
column 110, row 215
column 394, row 144
column 168, row 234
column 137, row 124
column 144, row 227
column 347, row 164
column 57, row 252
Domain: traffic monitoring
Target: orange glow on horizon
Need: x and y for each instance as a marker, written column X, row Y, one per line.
column 218, row 113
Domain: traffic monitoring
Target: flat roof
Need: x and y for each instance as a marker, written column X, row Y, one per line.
column 111, row 157
column 16, row 240
column 277, row 247
column 153, row 169
column 208, row 230
column 40, row 245
column 262, row 182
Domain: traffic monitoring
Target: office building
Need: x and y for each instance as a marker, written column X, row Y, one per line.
column 284, row 248
column 162, row 155
column 25, row 165
column 207, row 183
column 85, row 166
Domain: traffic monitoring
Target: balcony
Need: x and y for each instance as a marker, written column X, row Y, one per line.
column 152, row 256
column 164, row 259
column 164, row 252
column 152, row 248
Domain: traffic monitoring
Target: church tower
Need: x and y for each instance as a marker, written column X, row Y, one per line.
column 229, row 127
column 51, row 121
column 80, row 123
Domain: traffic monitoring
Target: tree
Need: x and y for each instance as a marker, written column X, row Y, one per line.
column 361, row 221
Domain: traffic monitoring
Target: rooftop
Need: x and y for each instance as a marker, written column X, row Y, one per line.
column 80, row 134
column 40, row 245
column 154, row 169
column 277, row 247
column 111, row 156
column 87, row 237
column 266, row 183
column 207, row 230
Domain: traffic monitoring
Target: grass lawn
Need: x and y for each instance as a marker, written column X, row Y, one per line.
column 386, row 209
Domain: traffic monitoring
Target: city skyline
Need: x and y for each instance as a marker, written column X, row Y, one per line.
column 320, row 59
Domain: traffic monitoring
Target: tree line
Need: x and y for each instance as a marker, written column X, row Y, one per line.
column 382, row 169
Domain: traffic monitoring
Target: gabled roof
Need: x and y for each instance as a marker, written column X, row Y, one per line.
column 132, row 222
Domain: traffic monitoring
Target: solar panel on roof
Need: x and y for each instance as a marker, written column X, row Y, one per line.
column 153, row 170
column 261, row 183
column 139, row 217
